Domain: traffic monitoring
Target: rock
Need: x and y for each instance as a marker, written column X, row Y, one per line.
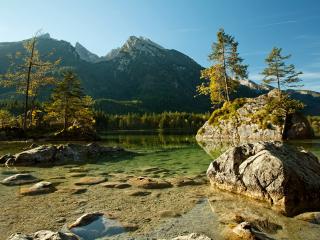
column 38, row 188
column 192, row 236
column 44, row 235
column 138, row 193
column 20, row 236
column 5, row 158
column 130, row 227
column 39, row 155
column 76, row 174
column 118, row 185
column 76, row 190
column 20, row 179
column 90, row 180
column 148, row 183
column 244, row 231
column 61, row 220
column 85, row 219
column 311, row 217
column 168, row 214
column 59, row 154
column 284, row 176
column 244, row 120
column 49, row 235
column 297, row 127
column 181, row 182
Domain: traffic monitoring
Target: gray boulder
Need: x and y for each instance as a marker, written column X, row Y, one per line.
column 19, row 179
column 282, row 175
column 59, row 154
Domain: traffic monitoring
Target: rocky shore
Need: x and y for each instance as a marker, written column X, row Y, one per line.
column 50, row 155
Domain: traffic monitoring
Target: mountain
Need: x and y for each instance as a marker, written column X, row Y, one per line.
column 86, row 55
column 140, row 76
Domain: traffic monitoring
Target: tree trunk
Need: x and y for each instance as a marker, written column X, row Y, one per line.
column 28, row 86
column 225, row 74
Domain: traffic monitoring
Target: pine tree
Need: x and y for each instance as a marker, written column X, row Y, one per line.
column 69, row 104
column 221, row 78
column 28, row 73
column 277, row 71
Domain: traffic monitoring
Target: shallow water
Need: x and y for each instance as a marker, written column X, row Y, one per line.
column 171, row 155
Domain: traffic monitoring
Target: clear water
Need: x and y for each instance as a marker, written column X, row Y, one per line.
column 175, row 155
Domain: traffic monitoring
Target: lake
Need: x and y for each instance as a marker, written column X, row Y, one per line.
column 159, row 156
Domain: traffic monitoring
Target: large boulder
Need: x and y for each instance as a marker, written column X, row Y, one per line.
column 249, row 119
column 282, row 175
column 59, row 154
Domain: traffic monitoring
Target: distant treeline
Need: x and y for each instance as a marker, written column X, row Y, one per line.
column 190, row 122
column 315, row 124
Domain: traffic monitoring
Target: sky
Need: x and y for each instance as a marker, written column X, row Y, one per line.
column 188, row 26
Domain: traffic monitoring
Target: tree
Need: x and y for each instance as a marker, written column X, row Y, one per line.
column 28, row 73
column 221, row 78
column 69, row 105
column 277, row 71
column 6, row 119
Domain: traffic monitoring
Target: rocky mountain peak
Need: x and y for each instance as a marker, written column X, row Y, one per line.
column 85, row 54
column 45, row 36
column 142, row 44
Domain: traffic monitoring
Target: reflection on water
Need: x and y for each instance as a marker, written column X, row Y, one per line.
column 215, row 148
column 102, row 227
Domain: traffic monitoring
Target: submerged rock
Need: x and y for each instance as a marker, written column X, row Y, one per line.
column 59, row 154
column 38, row 188
column 49, row 235
column 44, row 235
column 20, row 236
column 86, row 219
column 311, row 217
column 90, row 180
column 192, row 236
column 119, row 185
column 181, row 182
column 19, row 179
column 284, row 176
column 149, row 183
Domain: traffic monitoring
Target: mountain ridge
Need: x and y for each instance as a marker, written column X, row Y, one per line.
column 142, row 71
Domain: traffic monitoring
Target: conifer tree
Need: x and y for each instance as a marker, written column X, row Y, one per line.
column 68, row 103
column 277, row 71
column 221, row 78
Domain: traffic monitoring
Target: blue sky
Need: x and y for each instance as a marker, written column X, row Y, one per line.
column 186, row 25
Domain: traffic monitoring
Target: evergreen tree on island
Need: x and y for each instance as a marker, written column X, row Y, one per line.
column 221, row 79
column 277, row 71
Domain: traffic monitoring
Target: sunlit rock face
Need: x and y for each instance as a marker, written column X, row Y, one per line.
column 282, row 175
column 247, row 123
